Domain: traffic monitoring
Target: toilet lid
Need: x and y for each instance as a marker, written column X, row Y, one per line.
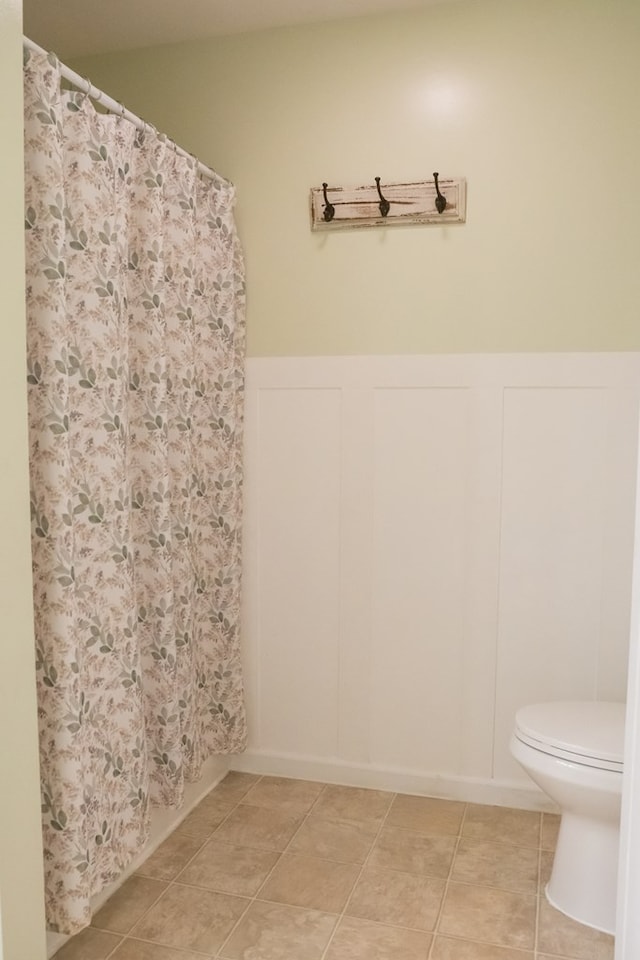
column 589, row 732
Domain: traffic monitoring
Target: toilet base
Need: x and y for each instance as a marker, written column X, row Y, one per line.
column 584, row 877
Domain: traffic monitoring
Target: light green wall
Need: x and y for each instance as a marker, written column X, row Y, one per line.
column 23, row 934
column 535, row 103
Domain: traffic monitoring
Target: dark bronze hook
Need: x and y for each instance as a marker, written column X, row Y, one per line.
column 329, row 209
column 441, row 201
column 384, row 205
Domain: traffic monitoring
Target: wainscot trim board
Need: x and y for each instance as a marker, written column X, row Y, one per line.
column 413, row 782
column 431, row 542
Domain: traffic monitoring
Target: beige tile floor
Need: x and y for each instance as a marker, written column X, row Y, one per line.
column 273, row 869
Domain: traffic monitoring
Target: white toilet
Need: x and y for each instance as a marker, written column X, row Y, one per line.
column 574, row 752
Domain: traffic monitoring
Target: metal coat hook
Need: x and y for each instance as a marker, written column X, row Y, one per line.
column 441, row 201
column 329, row 209
column 384, row 205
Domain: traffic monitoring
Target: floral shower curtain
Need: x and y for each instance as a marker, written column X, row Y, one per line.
column 135, row 303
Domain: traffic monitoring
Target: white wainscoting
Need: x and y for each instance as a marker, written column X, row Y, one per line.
column 431, row 542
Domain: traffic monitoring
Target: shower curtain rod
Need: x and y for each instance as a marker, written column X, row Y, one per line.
column 114, row 107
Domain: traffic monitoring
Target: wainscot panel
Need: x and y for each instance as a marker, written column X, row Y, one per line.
column 430, row 543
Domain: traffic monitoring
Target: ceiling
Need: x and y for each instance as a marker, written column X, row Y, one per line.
column 80, row 27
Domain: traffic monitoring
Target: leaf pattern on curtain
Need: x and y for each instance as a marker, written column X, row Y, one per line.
column 135, row 304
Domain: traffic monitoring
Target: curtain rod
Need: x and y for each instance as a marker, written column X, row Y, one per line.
column 114, row 107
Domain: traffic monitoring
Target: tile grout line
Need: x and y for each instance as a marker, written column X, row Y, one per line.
column 172, row 881
column 152, row 943
column 280, row 853
column 343, row 912
column 111, row 952
column 436, row 925
column 537, row 921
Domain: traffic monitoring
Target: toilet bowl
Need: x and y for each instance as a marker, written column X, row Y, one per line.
column 574, row 752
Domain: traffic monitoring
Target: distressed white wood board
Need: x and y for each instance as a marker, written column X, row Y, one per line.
column 410, row 203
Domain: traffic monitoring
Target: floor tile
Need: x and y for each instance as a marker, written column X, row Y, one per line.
column 398, row 849
column 489, row 915
column 205, row 818
column 170, row 858
column 548, row 956
column 259, row 827
column 353, row 803
column 502, row 825
column 234, row 786
column 191, row 918
column 496, row 865
column 401, row 899
column 428, row 815
column 128, row 904
column 347, row 840
column 137, row 950
column 364, row 940
column 310, row 882
column 550, row 828
column 298, row 847
column 447, row 949
column 228, row 868
column 271, row 931
column 89, row 944
column 292, row 796
column 546, row 865
column 559, row 935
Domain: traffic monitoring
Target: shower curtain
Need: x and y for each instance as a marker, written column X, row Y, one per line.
column 135, row 305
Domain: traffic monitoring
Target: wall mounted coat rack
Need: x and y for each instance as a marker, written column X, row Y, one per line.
column 378, row 204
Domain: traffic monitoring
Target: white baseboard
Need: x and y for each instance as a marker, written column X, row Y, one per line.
column 163, row 823
column 501, row 793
